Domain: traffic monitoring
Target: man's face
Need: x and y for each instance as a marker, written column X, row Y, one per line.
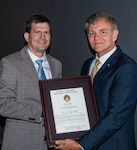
column 39, row 38
column 102, row 37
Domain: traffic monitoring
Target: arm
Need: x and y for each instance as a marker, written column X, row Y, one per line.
column 17, row 98
column 122, row 97
column 120, row 94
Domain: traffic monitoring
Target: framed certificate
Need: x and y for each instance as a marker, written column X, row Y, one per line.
column 69, row 107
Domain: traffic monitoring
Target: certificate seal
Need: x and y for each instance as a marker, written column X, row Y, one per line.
column 67, row 98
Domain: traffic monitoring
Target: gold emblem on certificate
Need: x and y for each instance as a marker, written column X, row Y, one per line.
column 67, row 98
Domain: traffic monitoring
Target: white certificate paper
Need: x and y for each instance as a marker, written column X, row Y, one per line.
column 69, row 110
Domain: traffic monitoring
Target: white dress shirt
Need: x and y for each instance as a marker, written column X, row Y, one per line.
column 102, row 59
column 45, row 64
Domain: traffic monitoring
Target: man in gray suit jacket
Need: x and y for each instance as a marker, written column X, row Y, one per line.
column 20, row 100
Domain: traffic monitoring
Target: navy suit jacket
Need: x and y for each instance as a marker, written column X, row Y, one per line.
column 115, row 88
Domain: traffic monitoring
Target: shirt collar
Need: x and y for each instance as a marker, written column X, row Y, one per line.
column 34, row 57
column 106, row 56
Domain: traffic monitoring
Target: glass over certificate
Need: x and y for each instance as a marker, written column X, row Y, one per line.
column 69, row 107
column 69, row 110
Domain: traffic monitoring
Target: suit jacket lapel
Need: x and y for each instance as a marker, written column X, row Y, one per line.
column 110, row 62
column 28, row 64
column 52, row 67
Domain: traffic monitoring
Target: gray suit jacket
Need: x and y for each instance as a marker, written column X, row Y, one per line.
column 20, row 101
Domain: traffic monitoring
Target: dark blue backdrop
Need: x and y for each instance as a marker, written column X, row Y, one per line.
column 68, row 18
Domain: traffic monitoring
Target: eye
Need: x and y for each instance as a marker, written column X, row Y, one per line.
column 91, row 34
column 47, row 33
column 103, row 32
column 37, row 32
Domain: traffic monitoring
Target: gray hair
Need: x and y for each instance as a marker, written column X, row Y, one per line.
column 99, row 15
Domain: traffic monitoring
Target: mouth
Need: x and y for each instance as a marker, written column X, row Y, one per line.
column 97, row 44
column 42, row 43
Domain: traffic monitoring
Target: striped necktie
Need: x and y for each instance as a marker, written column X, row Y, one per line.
column 95, row 69
column 41, row 73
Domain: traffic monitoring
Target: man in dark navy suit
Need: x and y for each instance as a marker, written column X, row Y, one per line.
column 115, row 88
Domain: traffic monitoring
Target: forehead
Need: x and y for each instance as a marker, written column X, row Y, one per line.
column 40, row 25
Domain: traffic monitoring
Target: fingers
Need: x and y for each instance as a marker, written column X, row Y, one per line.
column 60, row 142
column 67, row 144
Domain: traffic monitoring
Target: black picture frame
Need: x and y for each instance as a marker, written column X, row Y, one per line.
column 46, row 86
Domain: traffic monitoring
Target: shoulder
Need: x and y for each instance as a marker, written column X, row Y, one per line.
column 16, row 56
column 121, row 59
column 127, row 62
column 128, row 59
column 86, row 65
column 52, row 59
column 126, row 67
column 87, row 62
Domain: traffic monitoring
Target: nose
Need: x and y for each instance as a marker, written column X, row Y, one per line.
column 42, row 35
column 96, row 36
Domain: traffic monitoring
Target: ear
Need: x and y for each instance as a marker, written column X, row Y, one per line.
column 26, row 36
column 115, row 35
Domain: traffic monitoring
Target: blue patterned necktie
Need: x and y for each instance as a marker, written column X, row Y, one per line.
column 41, row 73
